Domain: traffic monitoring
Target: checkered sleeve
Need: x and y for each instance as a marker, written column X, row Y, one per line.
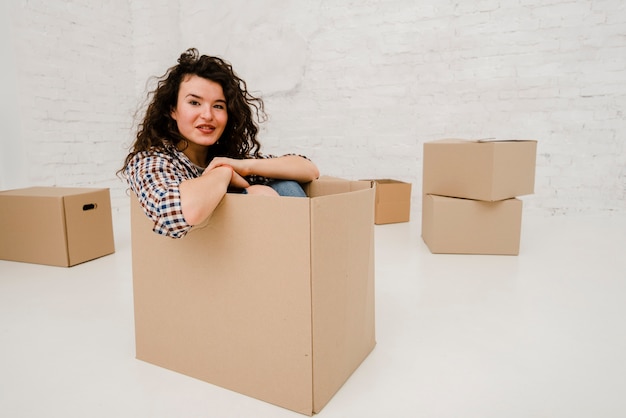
column 155, row 177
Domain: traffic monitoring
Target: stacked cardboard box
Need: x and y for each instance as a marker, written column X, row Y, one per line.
column 469, row 201
column 270, row 297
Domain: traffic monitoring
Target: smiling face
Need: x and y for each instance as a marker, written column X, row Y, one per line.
column 201, row 115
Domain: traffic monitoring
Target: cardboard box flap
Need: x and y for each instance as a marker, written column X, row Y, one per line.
column 479, row 140
column 39, row 191
column 331, row 185
column 342, row 288
column 492, row 140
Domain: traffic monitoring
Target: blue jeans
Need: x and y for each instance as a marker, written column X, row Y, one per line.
column 287, row 188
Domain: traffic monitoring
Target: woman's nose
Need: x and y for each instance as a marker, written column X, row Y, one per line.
column 207, row 112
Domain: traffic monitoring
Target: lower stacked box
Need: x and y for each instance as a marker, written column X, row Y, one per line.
column 463, row 226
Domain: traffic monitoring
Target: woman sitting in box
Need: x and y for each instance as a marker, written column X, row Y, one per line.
column 198, row 141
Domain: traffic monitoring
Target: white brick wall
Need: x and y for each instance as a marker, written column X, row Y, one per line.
column 357, row 86
column 75, row 90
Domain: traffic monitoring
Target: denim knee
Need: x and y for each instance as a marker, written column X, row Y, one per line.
column 288, row 188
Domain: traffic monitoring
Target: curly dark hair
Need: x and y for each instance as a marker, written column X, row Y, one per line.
column 158, row 129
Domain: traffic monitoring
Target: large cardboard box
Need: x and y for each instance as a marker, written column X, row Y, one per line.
column 463, row 226
column 393, row 201
column 487, row 170
column 272, row 297
column 55, row 225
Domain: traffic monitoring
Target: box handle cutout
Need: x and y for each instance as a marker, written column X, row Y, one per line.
column 89, row 206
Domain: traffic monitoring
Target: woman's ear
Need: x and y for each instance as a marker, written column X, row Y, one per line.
column 173, row 113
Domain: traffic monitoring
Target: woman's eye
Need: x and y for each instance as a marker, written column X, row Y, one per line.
column 194, row 103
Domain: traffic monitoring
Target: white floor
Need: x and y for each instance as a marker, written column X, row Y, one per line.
column 542, row 334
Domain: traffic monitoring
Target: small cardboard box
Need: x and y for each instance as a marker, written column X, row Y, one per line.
column 55, row 225
column 393, row 201
column 463, row 226
column 272, row 297
column 487, row 170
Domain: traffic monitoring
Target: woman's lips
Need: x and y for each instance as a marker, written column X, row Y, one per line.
column 207, row 129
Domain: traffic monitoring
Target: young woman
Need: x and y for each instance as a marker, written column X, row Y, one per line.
column 198, row 141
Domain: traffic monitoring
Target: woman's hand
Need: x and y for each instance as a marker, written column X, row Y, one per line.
column 240, row 167
column 236, row 180
column 287, row 167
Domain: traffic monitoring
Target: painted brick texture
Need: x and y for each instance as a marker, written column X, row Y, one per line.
column 75, row 90
column 356, row 86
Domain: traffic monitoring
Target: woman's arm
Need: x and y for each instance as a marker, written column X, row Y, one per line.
column 171, row 196
column 288, row 167
column 200, row 196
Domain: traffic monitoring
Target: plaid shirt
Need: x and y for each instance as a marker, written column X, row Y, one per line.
column 154, row 177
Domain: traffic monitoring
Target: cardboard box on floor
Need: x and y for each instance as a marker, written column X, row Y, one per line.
column 55, row 225
column 464, row 226
column 486, row 170
column 393, row 201
column 273, row 297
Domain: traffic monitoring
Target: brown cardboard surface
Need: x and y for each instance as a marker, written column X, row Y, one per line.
column 53, row 225
column 342, row 289
column 327, row 185
column 272, row 297
column 393, row 201
column 464, row 226
column 479, row 170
